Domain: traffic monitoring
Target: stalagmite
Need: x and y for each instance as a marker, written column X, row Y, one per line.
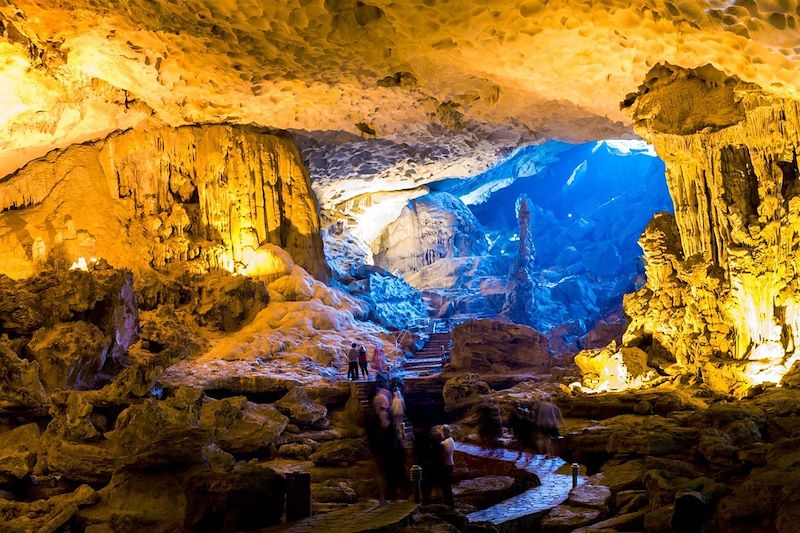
column 519, row 306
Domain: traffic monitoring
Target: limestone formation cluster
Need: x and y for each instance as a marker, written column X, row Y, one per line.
column 208, row 196
column 721, row 299
column 436, row 226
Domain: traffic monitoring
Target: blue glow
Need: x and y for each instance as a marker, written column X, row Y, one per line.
column 591, row 203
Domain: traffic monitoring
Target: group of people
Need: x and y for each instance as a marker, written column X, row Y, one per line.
column 387, row 437
column 357, row 360
column 433, row 448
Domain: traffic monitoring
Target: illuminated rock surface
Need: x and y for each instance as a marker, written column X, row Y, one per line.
column 397, row 69
column 194, row 352
column 720, row 298
column 207, row 195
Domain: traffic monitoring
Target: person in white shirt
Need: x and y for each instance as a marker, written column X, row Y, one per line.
column 448, row 447
column 398, row 412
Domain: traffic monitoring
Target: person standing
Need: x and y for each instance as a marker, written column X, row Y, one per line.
column 448, row 448
column 382, row 442
column 548, row 425
column 362, row 361
column 382, row 405
column 379, row 359
column 352, row 363
column 398, row 413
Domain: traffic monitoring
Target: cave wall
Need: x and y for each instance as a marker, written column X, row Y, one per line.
column 206, row 194
column 721, row 298
column 429, row 228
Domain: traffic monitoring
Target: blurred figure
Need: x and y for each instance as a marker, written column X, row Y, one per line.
column 381, row 403
column 362, row 361
column 398, row 413
column 448, row 448
column 427, row 450
column 379, row 360
column 548, row 425
column 382, row 432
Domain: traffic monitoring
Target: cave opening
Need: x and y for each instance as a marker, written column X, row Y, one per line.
column 590, row 203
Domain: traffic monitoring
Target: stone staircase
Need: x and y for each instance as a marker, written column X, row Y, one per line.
column 429, row 358
column 365, row 391
column 522, row 512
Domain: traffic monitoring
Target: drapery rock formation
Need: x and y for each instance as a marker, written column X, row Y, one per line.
column 433, row 227
column 721, row 299
column 208, row 195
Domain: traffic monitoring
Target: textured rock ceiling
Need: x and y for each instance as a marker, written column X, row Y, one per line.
column 73, row 71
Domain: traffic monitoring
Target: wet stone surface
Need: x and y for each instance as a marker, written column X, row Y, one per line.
column 553, row 490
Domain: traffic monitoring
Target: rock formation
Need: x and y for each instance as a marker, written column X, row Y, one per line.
column 520, row 306
column 720, row 299
column 433, row 227
column 393, row 303
column 207, row 195
column 498, row 347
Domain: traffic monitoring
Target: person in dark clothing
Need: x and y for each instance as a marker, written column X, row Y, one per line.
column 427, row 451
column 362, row 361
column 352, row 362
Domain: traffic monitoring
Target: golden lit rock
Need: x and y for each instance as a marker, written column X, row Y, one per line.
column 209, row 196
column 721, row 296
column 78, row 70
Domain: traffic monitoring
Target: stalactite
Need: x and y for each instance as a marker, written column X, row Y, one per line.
column 721, row 293
column 248, row 183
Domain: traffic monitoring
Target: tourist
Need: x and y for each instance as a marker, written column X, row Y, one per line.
column 448, row 447
column 398, row 413
column 426, row 453
column 396, row 382
column 362, row 361
column 379, row 359
column 382, row 442
column 352, row 363
column 548, row 425
column 381, row 403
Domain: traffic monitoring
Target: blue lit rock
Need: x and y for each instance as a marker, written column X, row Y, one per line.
column 430, row 228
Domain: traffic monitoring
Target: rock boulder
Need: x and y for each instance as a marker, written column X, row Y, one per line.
column 301, row 409
column 462, row 392
column 489, row 345
column 242, row 426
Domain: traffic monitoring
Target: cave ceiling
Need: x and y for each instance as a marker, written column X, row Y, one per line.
column 497, row 71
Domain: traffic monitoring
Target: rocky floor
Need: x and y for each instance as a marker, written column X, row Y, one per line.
column 84, row 450
column 554, row 488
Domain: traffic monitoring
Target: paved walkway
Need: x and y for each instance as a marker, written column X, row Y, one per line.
column 364, row 516
column 552, row 492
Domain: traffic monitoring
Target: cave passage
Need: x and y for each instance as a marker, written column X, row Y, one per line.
column 590, row 203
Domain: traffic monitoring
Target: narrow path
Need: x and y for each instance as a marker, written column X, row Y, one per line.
column 364, row 516
column 553, row 491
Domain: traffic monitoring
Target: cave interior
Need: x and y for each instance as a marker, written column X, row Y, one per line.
column 566, row 235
